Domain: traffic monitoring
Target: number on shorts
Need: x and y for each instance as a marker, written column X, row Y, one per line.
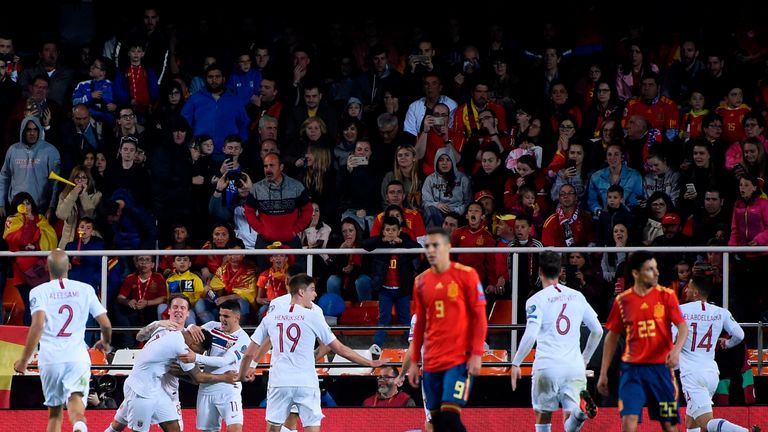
column 646, row 328
column 705, row 342
column 68, row 309
column 293, row 333
column 668, row 409
column 233, row 406
column 439, row 309
column 459, row 390
column 563, row 317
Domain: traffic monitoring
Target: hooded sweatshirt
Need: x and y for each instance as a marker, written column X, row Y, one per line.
column 26, row 168
column 434, row 190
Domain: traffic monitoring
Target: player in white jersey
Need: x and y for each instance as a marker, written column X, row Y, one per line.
column 404, row 368
column 291, row 330
column 554, row 316
column 219, row 400
column 699, row 374
column 178, row 312
column 60, row 309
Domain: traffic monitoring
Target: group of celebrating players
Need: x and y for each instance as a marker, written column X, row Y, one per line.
column 448, row 333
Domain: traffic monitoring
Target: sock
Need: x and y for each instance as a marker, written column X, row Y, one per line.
column 575, row 421
column 543, row 428
column 80, row 427
column 451, row 421
column 693, row 430
column 721, row 425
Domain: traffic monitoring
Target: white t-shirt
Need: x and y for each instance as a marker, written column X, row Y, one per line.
column 559, row 312
column 225, row 355
column 160, row 351
column 705, row 323
column 67, row 304
column 292, row 329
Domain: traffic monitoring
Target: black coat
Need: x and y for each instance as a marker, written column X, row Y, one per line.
column 407, row 264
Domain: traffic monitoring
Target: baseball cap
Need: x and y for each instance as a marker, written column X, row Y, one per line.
column 485, row 193
column 508, row 219
column 670, row 219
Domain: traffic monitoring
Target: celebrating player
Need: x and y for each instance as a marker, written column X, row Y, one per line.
column 647, row 312
column 554, row 317
column 60, row 309
column 451, row 325
column 291, row 330
column 699, row 374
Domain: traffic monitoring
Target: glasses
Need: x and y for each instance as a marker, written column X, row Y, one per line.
column 566, row 127
column 81, row 177
column 127, row 116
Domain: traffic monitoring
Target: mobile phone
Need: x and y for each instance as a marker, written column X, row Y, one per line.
column 690, row 188
column 571, row 163
column 439, row 121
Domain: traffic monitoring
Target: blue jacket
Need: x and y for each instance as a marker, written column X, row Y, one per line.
column 217, row 118
column 97, row 107
column 630, row 180
column 244, row 85
column 89, row 269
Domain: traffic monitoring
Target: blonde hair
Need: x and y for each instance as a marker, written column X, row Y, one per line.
column 77, row 170
column 318, row 120
column 314, row 176
column 415, row 188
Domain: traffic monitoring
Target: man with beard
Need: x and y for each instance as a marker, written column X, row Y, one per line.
column 216, row 112
column 388, row 392
column 570, row 225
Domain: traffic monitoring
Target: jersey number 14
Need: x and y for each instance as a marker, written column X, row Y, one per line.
column 705, row 342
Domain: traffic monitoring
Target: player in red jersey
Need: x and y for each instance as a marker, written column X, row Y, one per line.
column 451, row 325
column 646, row 312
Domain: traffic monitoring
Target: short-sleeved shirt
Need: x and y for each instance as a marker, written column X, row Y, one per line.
column 647, row 321
column 188, row 284
column 292, row 329
column 67, row 304
column 443, row 302
column 136, row 289
column 160, row 351
column 229, row 348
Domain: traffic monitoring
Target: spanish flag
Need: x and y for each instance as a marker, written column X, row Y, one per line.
column 12, row 340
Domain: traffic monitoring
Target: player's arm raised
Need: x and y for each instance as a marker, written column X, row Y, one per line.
column 33, row 338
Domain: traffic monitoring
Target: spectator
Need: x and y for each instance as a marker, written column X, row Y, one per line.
column 392, row 275
column 139, row 296
column 347, row 270
column 234, row 280
column 615, row 212
column 579, row 275
column 231, row 210
column 414, row 224
column 388, row 394
column 661, row 178
column 575, row 173
column 221, row 235
column 359, row 187
column 97, row 93
column 86, row 269
column 76, row 202
column 129, row 225
column 125, row 173
column 709, row 221
column 406, row 171
column 272, row 282
column 615, row 173
column 475, row 234
column 27, row 230
column 136, row 84
column 183, row 282
column 445, row 190
column 515, row 231
column 59, row 75
column 17, row 175
column 569, row 226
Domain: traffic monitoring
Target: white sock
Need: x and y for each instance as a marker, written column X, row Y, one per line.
column 721, row 425
column 575, row 421
column 543, row 428
column 80, row 426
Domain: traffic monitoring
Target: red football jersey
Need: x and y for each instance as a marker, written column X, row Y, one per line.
column 450, row 317
column 648, row 323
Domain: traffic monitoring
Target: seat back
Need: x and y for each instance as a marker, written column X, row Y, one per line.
column 501, row 314
column 393, row 355
column 492, row 356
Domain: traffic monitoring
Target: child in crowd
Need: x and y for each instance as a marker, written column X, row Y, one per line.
column 680, row 285
column 182, row 281
column 272, row 283
column 691, row 124
column 615, row 212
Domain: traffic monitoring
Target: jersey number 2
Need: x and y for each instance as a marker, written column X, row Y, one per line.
column 705, row 342
column 68, row 309
column 292, row 332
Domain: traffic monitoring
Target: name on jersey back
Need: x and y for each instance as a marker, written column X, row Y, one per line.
column 562, row 298
column 289, row 317
column 59, row 295
column 702, row 317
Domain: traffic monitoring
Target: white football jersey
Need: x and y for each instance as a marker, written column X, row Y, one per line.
column 225, row 355
column 705, row 323
column 169, row 382
column 67, row 304
column 292, row 329
column 559, row 311
column 153, row 361
column 285, row 300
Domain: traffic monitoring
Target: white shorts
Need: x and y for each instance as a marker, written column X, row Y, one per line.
column 698, row 390
column 60, row 380
column 553, row 388
column 281, row 399
column 211, row 408
column 139, row 412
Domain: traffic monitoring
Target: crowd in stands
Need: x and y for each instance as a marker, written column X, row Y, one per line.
column 366, row 140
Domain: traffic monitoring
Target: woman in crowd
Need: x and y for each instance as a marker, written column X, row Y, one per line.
column 574, row 173
column 406, row 171
column 346, row 271
column 76, row 202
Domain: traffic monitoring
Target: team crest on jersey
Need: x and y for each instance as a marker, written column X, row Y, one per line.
column 140, row 424
column 453, row 290
column 530, row 309
column 271, row 308
column 33, row 301
column 658, row 311
column 480, row 241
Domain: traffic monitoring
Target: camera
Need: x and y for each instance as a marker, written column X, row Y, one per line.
column 102, row 385
column 360, row 160
column 420, row 59
column 439, row 121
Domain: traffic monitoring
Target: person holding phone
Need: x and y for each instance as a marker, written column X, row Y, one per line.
column 575, row 173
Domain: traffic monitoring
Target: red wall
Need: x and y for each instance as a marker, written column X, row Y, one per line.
column 393, row 419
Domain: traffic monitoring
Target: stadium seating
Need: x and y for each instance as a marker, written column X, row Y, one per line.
column 501, row 314
column 496, row 355
column 393, row 355
column 124, row 356
column 350, row 370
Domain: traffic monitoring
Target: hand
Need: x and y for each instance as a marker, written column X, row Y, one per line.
column 249, row 376
column 102, row 346
column 189, row 357
column 570, row 172
column 247, row 183
column 414, row 375
column 175, row 370
column 222, row 183
column 48, row 213
column 443, row 207
column 602, row 384
column 141, row 304
column 515, row 374
column 46, row 119
column 111, row 107
column 298, row 72
column 132, row 304
column 299, row 162
column 120, row 203
column 20, row 366
column 673, row 358
column 93, row 399
column 256, row 100
column 474, row 364
column 752, row 243
column 196, row 333
column 347, row 268
column 97, row 94
column 78, row 189
column 220, row 300
column 520, row 181
column 198, row 180
column 227, row 165
column 580, row 276
column 232, row 376
column 429, row 122
column 377, row 363
column 689, row 195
